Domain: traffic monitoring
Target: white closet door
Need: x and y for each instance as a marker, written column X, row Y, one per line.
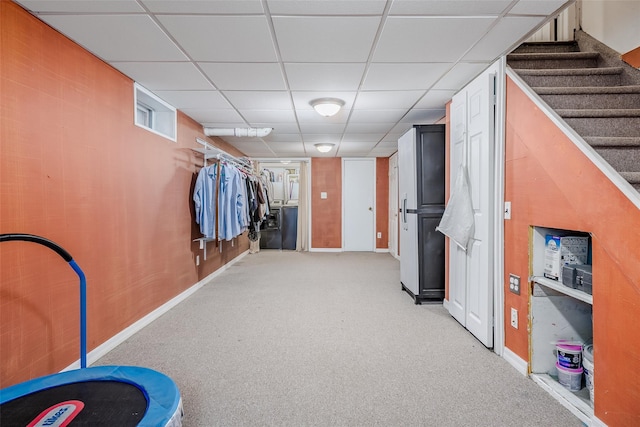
column 480, row 130
column 457, row 257
column 471, row 273
column 393, row 205
column 358, row 204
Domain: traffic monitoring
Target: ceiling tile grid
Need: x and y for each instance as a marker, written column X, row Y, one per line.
column 260, row 63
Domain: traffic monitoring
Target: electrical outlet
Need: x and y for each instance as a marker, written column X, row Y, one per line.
column 514, row 284
column 514, row 318
column 379, row 235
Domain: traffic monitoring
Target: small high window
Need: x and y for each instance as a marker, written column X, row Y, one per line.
column 153, row 114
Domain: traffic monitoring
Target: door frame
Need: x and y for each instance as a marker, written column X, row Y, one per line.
column 394, row 219
column 371, row 160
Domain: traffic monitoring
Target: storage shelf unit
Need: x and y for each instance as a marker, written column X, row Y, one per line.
column 557, row 312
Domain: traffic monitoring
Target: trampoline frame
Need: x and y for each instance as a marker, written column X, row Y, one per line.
column 164, row 403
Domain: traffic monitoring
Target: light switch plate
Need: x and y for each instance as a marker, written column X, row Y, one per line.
column 323, row 194
column 507, row 210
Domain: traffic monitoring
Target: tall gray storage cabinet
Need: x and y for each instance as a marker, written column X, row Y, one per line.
column 421, row 170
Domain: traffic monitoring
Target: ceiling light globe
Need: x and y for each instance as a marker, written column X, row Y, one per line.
column 327, row 107
column 324, row 147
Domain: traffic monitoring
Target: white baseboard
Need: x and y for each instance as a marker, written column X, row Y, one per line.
column 445, row 304
column 516, row 361
column 325, row 250
column 382, row 250
column 126, row 333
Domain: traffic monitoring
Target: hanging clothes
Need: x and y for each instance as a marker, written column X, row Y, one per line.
column 204, row 198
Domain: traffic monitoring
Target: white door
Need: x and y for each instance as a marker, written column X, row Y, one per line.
column 358, row 204
column 471, row 273
column 457, row 257
column 408, row 199
column 393, row 205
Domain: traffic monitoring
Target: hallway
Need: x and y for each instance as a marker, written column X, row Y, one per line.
column 293, row 339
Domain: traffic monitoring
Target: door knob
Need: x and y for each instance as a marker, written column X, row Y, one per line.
column 370, row 208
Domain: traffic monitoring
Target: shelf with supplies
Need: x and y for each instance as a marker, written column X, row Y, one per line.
column 560, row 312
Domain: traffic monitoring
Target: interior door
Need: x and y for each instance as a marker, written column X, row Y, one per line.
column 471, row 272
column 457, row 257
column 480, row 138
column 358, row 204
column 393, row 205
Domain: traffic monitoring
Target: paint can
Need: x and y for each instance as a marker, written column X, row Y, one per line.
column 587, row 364
column 569, row 354
column 570, row 378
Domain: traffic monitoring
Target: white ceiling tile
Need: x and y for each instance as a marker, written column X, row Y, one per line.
column 383, row 76
column 311, row 139
column 418, row 39
column 400, row 129
column 255, row 148
column 199, row 99
column 324, row 77
column 219, row 117
column 391, row 139
column 310, row 116
column 199, row 6
column 222, row 38
column 165, row 75
column 388, row 144
column 537, row 7
column 369, row 127
column 351, row 146
column 460, row 75
column 423, row 117
column 372, row 116
column 435, row 98
column 244, row 76
column 390, row 100
column 502, row 38
column 349, row 40
column 118, row 37
column 362, row 137
column 448, row 7
column 327, row 7
column 259, row 100
column 268, row 116
column 322, row 128
column 95, row 6
column 283, row 137
column 291, row 148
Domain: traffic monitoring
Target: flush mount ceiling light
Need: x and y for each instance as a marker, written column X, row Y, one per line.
column 324, row 147
column 327, row 106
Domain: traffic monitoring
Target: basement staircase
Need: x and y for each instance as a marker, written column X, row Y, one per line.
column 594, row 92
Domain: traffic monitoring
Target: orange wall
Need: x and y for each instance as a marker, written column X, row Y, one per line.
column 382, row 202
column 632, row 57
column 75, row 169
column 550, row 183
column 326, row 214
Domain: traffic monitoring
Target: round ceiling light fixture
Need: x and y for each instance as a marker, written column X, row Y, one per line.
column 324, row 147
column 327, row 107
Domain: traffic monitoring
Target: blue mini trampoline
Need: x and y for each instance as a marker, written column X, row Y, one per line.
column 98, row 396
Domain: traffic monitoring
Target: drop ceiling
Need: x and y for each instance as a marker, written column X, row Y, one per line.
column 258, row 63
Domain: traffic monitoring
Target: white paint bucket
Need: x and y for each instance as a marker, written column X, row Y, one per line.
column 587, row 364
column 569, row 354
column 570, row 378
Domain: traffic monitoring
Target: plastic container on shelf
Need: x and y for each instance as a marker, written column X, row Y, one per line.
column 569, row 354
column 571, row 379
column 587, row 364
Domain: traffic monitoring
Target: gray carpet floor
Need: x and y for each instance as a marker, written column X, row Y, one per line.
column 329, row 339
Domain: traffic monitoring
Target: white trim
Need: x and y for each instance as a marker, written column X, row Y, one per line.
column 129, row 331
column 498, row 208
column 382, row 250
column 597, row 422
column 516, row 361
column 325, row 250
column 445, row 304
column 564, row 397
column 613, row 175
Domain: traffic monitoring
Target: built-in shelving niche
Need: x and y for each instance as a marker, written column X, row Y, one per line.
column 557, row 312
